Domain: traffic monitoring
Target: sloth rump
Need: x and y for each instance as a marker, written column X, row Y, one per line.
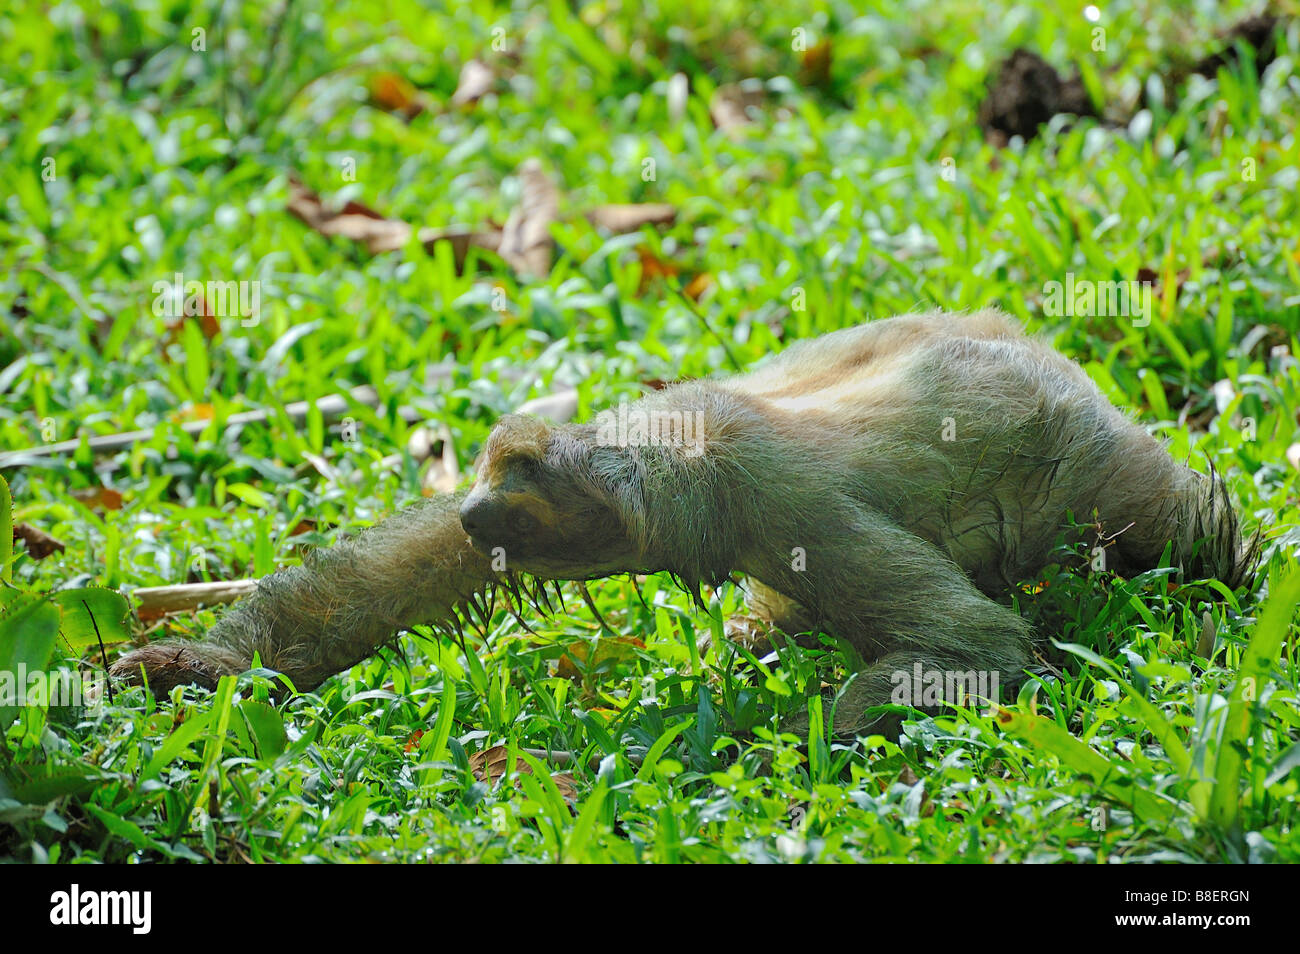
column 886, row 483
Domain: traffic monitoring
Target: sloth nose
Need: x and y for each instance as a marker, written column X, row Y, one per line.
column 484, row 518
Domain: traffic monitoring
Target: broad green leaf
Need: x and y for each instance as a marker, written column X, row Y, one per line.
column 1047, row 736
column 6, row 532
column 267, row 726
column 1253, row 674
column 433, row 747
column 109, row 609
column 660, row 746
column 181, row 737
column 81, row 780
column 28, row 628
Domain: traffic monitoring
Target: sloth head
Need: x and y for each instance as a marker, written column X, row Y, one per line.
column 545, row 499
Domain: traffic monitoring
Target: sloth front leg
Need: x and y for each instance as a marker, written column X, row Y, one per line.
column 312, row 621
column 912, row 614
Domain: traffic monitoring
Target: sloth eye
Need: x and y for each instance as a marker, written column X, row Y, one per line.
column 522, row 522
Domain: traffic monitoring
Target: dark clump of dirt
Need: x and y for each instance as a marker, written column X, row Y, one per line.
column 1027, row 93
column 1259, row 31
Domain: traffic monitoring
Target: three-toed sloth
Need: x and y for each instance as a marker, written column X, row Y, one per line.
column 886, row 484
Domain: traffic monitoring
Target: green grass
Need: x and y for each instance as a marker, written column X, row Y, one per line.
column 166, row 159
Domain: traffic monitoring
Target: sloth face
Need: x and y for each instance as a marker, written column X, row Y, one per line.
column 533, row 508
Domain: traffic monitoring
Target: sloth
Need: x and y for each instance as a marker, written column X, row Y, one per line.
column 888, row 484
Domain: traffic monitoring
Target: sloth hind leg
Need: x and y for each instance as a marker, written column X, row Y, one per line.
column 929, row 636
column 783, row 613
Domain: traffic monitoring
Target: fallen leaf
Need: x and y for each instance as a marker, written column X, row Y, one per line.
column 355, row 221
column 526, row 238
column 207, row 321
column 490, row 764
column 733, row 103
column 568, row 786
column 39, row 543
column 476, row 81
column 652, row 268
column 363, row 224
column 396, row 94
column 462, row 240
column 1149, row 276
column 99, row 498
column 195, row 412
column 560, row 407
column 815, row 65
column 698, row 285
column 443, row 473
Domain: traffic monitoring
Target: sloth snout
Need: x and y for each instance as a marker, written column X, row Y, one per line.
column 485, row 519
column 479, row 516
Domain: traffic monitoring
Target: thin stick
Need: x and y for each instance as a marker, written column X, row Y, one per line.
column 158, row 600
column 330, row 406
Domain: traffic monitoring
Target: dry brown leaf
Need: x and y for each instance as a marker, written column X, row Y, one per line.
column 99, row 498
column 443, row 473
column 698, row 285
column 815, row 65
column 1149, row 276
column 560, row 407
column 39, row 543
column 567, row 785
column 632, row 216
column 524, row 242
column 526, row 238
column 422, row 443
column 652, row 268
column 194, row 412
column 355, row 221
column 490, row 764
column 732, row 105
column 396, row 94
column 363, row 224
column 462, row 240
column 476, row 81
column 207, row 321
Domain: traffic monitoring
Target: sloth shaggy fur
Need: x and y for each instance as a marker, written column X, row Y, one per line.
column 888, row 484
